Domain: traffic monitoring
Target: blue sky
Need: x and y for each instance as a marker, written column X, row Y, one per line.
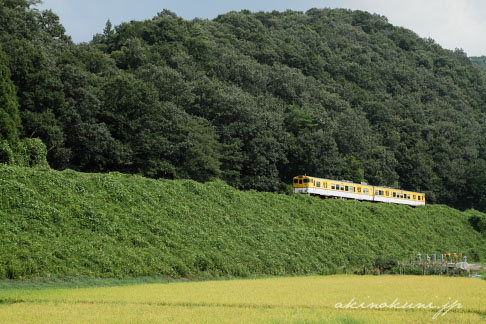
column 451, row 23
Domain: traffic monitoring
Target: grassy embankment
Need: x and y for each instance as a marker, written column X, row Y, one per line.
column 69, row 224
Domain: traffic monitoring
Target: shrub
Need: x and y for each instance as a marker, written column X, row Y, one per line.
column 6, row 153
column 31, row 152
column 478, row 223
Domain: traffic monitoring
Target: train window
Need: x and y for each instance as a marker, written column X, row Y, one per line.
column 359, row 189
column 376, row 192
column 387, row 193
column 346, row 188
column 306, row 180
column 351, row 189
column 318, row 184
column 366, row 190
column 418, row 197
column 342, row 187
column 394, row 195
column 296, row 181
column 408, row 196
column 414, row 197
column 325, row 184
column 332, row 186
column 381, row 193
column 300, row 181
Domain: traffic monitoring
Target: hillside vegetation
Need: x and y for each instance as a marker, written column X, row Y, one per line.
column 70, row 224
column 250, row 98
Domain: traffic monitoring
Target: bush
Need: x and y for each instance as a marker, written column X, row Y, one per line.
column 385, row 264
column 30, row 152
column 478, row 223
column 6, row 153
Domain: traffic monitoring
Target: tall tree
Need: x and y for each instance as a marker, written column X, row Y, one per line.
column 9, row 113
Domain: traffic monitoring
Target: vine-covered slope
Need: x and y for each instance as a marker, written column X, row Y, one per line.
column 68, row 224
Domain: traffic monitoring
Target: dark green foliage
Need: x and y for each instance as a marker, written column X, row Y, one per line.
column 6, row 153
column 385, row 264
column 479, row 61
column 352, row 170
column 478, row 222
column 253, row 99
column 9, row 113
column 69, row 224
column 475, row 186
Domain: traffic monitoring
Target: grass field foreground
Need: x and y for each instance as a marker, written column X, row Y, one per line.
column 273, row 300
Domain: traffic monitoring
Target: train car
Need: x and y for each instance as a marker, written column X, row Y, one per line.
column 328, row 188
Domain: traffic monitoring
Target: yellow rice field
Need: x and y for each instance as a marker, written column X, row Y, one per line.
column 323, row 299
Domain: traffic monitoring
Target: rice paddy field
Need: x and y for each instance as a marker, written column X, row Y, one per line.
column 321, row 299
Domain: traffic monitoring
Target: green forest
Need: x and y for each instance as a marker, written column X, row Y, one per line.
column 250, row 98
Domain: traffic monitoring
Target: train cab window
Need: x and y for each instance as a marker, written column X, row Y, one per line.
column 300, row 181
column 332, row 186
column 318, row 184
column 296, row 181
column 306, row 180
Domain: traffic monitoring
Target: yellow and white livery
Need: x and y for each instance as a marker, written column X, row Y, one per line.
column 328, row 188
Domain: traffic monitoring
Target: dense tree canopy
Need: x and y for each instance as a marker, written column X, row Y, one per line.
column 9, row 113
column 254, row 99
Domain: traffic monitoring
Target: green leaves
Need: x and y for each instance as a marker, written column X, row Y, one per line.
column 9, row 113
column 251, row 98
column 71, row 224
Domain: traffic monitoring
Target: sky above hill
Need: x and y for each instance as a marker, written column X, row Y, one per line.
column 451, row 23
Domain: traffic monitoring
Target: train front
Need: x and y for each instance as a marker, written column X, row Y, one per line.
column 302, row 184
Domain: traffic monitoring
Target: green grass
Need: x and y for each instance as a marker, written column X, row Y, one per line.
column 69, row 224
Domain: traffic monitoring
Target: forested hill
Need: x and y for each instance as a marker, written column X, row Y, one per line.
column 479, row 60
column 251, row 98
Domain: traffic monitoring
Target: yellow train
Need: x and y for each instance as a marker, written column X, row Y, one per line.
column 359, row 191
